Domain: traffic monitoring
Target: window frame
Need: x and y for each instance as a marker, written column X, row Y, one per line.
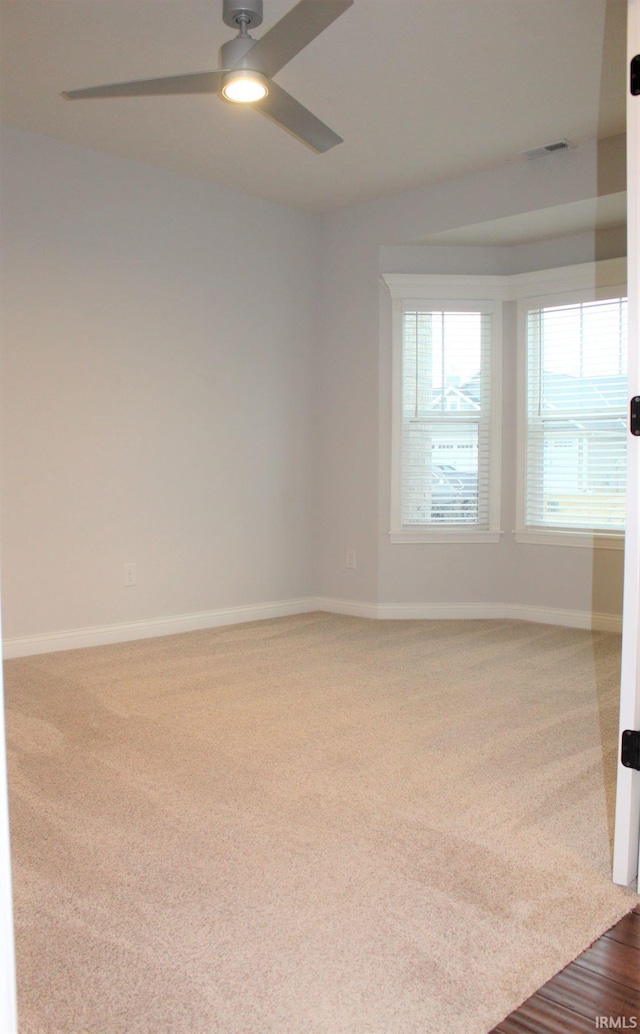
column 442, row 293
column 591, row 282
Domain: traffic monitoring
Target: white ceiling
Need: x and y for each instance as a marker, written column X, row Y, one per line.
column 421, row 90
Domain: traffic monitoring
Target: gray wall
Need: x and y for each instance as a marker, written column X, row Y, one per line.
column 199, row 382
column 158, row 336
column 356, row 387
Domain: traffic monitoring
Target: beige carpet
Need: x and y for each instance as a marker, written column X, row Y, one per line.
column 312, row 825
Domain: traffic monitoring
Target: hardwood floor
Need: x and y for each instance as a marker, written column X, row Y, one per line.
column 600, row 990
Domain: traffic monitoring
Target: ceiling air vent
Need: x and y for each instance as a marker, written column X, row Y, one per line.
column 538, row 152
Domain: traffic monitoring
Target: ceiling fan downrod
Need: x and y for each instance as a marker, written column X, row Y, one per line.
column 239, row 16
column 244, row 13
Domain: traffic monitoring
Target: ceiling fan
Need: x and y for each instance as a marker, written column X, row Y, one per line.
column 248, row 66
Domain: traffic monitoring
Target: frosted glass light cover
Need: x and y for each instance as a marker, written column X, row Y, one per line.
column 244, row 87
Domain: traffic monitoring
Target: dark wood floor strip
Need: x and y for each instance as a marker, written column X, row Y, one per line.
column 627, row 931
column 611, row 959
column 591, row 994
column 600, row 990
column 537, row 1015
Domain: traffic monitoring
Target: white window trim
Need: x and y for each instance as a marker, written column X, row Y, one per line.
column 569, row 285
column 594, row 280
column 444, row 292
column 573, row 537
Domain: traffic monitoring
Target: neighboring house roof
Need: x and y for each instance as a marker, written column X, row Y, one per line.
column 464, row 396
column 561, row 391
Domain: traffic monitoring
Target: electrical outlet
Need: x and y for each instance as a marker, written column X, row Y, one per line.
column 130, row 574
column 351, row 559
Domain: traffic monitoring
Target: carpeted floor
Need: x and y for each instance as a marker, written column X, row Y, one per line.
column 311, row 825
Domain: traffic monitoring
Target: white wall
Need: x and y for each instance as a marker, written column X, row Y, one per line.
column 355, row 385
column 158, row 339
column 199, row 382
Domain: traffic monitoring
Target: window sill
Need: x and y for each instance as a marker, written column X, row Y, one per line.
column 554, row 537
column 442, row 535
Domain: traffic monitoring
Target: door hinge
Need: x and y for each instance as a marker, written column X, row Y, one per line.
column 634, row 415
column 635, row 75
column 630, row 749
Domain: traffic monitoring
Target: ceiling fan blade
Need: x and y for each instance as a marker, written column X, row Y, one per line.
column 293, row 32
column 196, row 82
column 284, row 109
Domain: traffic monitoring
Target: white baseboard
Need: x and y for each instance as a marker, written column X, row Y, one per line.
column 73, row 639
column 592, row 620
column 473, row 611
column 352, row 608
column 440, row 612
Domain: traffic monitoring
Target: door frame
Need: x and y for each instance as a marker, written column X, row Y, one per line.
column 627, row 823
column 8, row 1000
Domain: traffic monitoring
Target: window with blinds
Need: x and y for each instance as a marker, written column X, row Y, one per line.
column 446, row 418
column 575, row 462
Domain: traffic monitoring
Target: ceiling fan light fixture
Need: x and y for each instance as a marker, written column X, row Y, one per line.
column 244, row 86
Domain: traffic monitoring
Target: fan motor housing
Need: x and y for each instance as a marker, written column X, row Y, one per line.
column 234, row 12
column 234, row 51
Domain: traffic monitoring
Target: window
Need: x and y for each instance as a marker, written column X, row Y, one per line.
column 575, row 439
column 446, row 443
column 569, row 478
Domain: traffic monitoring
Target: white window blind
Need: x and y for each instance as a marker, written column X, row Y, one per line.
column 446, row 418
column 576, row 416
